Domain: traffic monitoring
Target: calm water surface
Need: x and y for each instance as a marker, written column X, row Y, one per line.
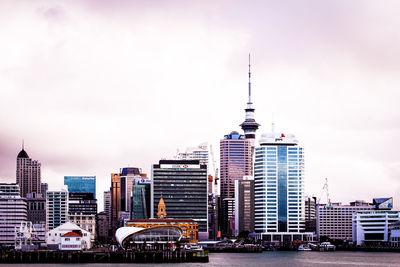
column 280, row 258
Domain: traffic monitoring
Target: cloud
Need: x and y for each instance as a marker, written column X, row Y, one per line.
column 93, row 86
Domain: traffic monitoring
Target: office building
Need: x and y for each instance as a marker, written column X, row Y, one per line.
column 122, row 184
column 310, row 215
column 81, row 184
column 244, row 205
column 36, row 208
column 82, row 210
column 334, row 220
column 13, row 211
column 195, row 153
column 28, row 174
column 279, row 188
column 140, row 199
column 44, row 187
column 82, row 203
column 183, row 186
column 235, row 162
column 56, row 208
column 107, row 207
column 102, row 227
column 395, row 234
column 373, row 227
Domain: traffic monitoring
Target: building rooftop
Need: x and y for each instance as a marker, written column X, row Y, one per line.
column 161, row 220
column 23, row 154
column 71, row 234
column 278, row 139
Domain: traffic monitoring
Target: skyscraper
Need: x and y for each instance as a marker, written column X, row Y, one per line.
column 183, row 186
column 236, row 162
column 28, row 174
column 279, row 188
column 121, row 191
column 56, row 208
column 244, row 205
column 107, row 207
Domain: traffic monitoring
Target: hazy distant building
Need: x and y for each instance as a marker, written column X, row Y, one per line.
column 13, row 211
column 183, row 186
column 56, row 208
column 44, row 187
column 244, row 205
column 235, row 162
column 28, row 174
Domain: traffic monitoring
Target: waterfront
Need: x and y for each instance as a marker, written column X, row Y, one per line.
column 282, row 258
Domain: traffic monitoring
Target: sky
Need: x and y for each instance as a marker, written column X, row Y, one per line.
column 94, row 86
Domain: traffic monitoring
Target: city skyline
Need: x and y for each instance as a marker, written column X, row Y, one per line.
column 88, row 104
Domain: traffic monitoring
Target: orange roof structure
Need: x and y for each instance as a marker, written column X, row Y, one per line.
column 71, row 234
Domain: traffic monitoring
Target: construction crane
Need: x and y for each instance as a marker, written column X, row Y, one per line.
column 325, row 188
column 215, row 169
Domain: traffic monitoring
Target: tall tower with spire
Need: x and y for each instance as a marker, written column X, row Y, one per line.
column 250, row 126
column 28, row 175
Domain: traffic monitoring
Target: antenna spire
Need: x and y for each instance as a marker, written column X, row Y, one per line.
column 23, row 145
column 249, row 81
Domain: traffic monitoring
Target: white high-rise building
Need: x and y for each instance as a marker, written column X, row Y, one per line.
column 56, row 208
column 279, row 188
column 13, row 211
column 199, row 152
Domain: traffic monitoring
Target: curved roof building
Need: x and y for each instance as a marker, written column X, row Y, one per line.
column 159, row 234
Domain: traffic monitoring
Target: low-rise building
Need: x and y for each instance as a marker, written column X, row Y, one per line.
column 53, row 237
column 395, row 234
column 334, row 220
column 372, row 227
column 71, row 241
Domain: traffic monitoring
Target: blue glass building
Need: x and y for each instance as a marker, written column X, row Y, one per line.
column 81, row 184
column 279, row 187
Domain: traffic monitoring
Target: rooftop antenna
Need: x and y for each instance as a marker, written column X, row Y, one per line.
column 249, row 81
column 273, row 124
column 23, row 145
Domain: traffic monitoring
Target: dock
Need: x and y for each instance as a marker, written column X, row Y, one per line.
column 43, row 256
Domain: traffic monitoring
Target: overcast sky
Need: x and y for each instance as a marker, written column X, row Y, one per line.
column 94, row 86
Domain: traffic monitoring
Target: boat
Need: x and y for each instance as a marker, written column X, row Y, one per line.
column 304, row 248
column 327, row 246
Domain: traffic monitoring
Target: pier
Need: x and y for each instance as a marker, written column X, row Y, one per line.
column 102, row 257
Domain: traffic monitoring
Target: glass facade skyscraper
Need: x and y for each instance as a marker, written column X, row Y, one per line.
column 236, row 162
column 279, row 185
column 183, row 186
column 81, row 184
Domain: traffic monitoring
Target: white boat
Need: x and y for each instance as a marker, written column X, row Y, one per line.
column 304, row 248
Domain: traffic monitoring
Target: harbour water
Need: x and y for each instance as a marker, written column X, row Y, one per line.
column 280, row 258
